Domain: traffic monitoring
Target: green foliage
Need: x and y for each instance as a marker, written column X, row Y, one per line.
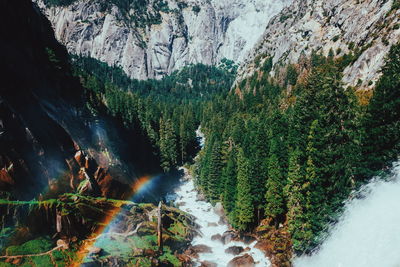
column 59, row 2
column 31, row 247
column 381, row 122
column 196, row 9
column 229, row 176
column 267, row 66
column 296, row 200
column 215, row 172
column 135, row 12
column 176, row 99
column 274, row 197
column 334, row 144
column 244, row 207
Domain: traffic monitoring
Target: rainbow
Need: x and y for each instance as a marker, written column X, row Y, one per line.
column 141, row 184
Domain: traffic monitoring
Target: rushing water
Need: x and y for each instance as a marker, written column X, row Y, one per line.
column 209, row 222
column 368, row 233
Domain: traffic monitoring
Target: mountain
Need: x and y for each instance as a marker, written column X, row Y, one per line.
column 150, row 39
column 361, row 30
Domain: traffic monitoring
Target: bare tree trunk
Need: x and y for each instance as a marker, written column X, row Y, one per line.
column 159, row 228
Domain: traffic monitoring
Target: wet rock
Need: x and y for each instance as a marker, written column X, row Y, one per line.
column 212, row 224
column 208, row 264
column 184, row 259
column 234, row 250
column 194, row 251
column 228, row 236
column 247, row 239
column 201, row 249
column 263, row 246
column 219, row 209
column 201, row 197
column 149, row 253
column 242, row 261
column 222, row 221
column 216, row 237
column 95, row 251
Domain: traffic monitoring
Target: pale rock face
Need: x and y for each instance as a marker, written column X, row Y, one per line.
column 221, row 29
column 316, row 24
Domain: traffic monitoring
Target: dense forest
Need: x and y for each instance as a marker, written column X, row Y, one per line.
column 168, row 111
column 289, row 156
column 293, row 158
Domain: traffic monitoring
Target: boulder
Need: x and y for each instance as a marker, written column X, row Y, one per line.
column 208, row 264
column 234, row 250
column 228, row 236
column 212, row 224
column 216, row 237
column 242, row 261
column 201, row 249
column 95, row 251
column 193, row 251
column 222, row 221
column 219, row 209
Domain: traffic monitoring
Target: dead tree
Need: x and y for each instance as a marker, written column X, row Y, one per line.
column 159, row 228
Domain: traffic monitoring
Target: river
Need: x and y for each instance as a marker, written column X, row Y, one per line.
column 187, row 199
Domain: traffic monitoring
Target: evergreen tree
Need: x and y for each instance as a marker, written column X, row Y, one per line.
column 274, row 196
column 244, row 206
column 229, row 178
column 168, row 143
column 381, row 123
column 215, row 173
column 296, row 200
column 315, row 203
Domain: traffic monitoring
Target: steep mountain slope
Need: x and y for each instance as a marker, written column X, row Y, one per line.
column 362, row 30
column 48, row 138
column 150, row 39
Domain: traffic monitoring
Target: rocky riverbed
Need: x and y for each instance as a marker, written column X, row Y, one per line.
column 216, row 245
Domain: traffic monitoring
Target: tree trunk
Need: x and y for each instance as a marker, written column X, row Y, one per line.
column 159, row 228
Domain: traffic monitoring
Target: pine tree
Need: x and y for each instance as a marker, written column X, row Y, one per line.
column 168, row 145
column 274, row 196
column 296, row 200
column 215, row 172
column 315, row 203
column 229, row 178
column 381, row 123
column 244, row 207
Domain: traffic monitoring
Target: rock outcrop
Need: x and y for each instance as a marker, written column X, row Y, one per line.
column 160, row 37
column 365, row 28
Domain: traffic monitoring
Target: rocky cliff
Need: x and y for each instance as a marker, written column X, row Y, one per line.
column 363, row 29
column 150, row 39
column 49, row 141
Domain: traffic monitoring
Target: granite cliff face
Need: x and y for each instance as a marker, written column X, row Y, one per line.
column 156, row 38
column 365, row 28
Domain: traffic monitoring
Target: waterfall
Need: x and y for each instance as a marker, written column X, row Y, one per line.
column 368, row 233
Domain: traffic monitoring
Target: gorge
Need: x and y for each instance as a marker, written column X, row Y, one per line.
column 199, row 133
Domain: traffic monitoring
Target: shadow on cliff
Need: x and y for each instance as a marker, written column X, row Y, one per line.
column 49, row 141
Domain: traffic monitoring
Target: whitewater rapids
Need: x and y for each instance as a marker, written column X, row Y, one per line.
column 208, row 220
column 368, row 233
